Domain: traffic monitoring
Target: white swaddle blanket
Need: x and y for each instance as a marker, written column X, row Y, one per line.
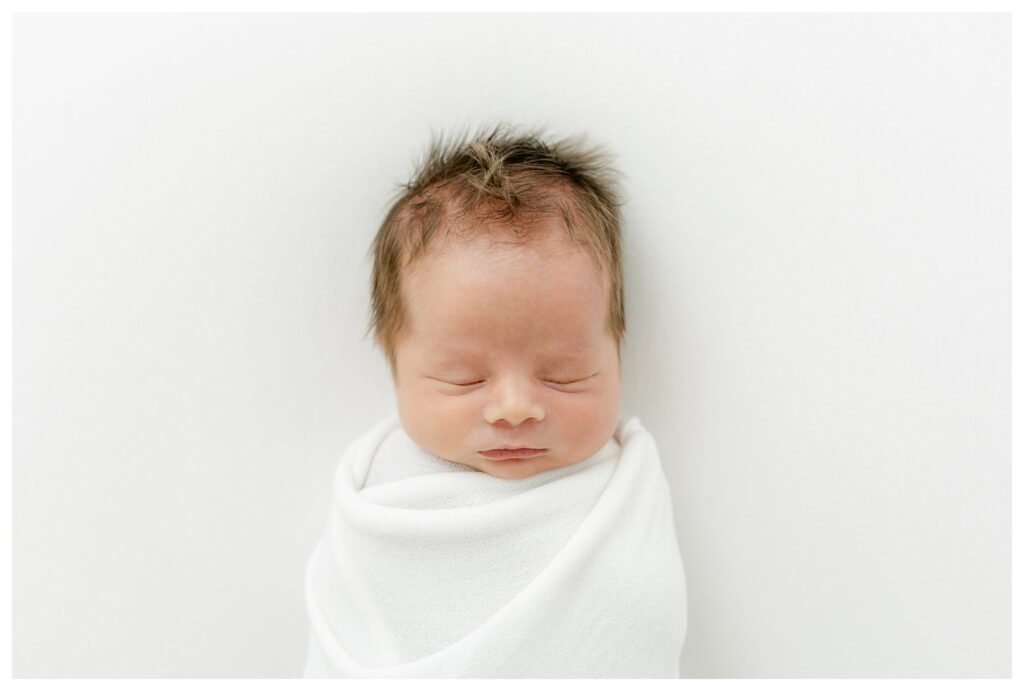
column 574, row 572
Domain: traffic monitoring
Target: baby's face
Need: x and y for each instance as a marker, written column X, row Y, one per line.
column 514, row 324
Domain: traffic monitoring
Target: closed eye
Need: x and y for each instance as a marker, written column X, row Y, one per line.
column 574, row 381
column 550, row 381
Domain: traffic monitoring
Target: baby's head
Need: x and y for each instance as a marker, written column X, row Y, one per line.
column 497, row 301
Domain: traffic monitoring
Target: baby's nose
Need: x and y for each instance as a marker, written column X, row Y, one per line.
column 513, row 404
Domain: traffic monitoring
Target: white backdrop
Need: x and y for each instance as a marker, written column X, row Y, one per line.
column 817, row 283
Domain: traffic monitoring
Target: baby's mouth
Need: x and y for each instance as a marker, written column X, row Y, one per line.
column 503, row 454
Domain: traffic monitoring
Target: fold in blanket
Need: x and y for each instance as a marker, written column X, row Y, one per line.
column 574, row 572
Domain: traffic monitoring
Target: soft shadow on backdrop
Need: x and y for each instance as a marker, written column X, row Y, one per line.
column 817, row 284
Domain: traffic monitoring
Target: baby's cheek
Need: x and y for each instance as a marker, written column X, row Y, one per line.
column 452, row 408
column 580, row 418
column 442, row 422
column 591, row 421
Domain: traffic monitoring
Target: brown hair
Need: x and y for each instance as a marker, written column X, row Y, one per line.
column 501, row 175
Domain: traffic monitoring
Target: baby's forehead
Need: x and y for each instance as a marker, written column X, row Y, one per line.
column 495, row 250
column 564, row 283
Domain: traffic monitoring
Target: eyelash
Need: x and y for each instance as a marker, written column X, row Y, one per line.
column 560, row 383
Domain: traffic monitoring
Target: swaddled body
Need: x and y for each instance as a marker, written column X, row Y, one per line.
column 573, row 572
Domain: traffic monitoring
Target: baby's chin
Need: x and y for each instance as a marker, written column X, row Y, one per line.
column 519, row 469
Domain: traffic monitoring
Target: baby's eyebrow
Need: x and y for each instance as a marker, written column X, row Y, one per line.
column 453, row 357
column 447, row 356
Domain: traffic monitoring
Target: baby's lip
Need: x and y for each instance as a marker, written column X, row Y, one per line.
column 513, row 447
column 513, row 452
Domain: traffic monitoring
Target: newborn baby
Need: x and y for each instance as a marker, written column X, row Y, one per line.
column 506, row 522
